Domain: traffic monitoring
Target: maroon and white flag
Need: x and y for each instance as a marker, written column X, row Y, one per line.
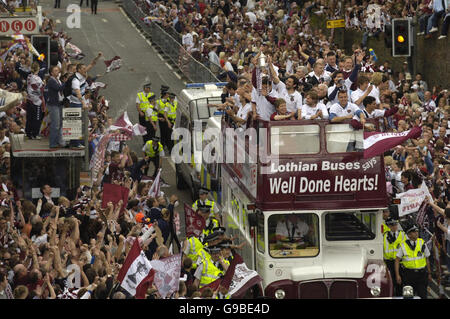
column 376, row 143
column 155, row 190
column 137, row 273
column 99, row 155
column 97, row 85
column 167, row 274
column 113, row 64
column 238, row 278
column 124, row 124
column 73, row 51
column 194, row 222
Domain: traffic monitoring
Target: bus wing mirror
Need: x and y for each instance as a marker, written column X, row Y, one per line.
column 393, row 209
column 252, row 219
column 215, row 182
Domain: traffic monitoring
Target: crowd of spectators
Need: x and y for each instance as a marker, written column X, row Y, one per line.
column 42, row 241
column 61, row 248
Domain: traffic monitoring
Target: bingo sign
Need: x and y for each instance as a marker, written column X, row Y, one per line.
column 14, row 25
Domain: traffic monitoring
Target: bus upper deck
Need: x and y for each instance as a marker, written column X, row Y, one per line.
column 305, row 164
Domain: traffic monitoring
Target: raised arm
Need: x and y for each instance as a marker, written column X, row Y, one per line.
column 434, row 206
column 94, row 62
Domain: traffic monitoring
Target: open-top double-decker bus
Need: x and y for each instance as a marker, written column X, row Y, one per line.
column 333, row 197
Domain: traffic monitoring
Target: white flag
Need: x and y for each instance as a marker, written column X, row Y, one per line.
column 155, row 190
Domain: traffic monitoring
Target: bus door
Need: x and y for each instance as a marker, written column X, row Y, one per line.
column 259, row 245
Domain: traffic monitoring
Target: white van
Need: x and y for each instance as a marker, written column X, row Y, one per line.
column 192, row 106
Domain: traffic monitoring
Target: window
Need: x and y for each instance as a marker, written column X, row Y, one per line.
column 295, row 139
column 200, row 109
column 184, row 121
column 260, row 245
column 343, row 138
column 350, row 226
column 293, row 235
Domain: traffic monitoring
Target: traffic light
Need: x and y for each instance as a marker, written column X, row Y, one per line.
column 401, row 39
column 54, row 54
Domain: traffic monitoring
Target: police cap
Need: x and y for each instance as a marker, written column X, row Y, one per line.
column 220, row 230
column 164, row 88
column 155, row 139
column 211, row 237
column 203, row 190
column 213, row 249
column 391, row 221
column 204, row 208
column 411, row 228
column 147, row 85
column 225, row 244
column 172, row 94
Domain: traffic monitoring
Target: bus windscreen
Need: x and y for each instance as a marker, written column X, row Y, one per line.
column 350, row 226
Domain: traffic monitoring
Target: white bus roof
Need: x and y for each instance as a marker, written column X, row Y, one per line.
column 190, row 94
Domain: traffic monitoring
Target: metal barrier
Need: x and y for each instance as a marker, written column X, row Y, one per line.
column 169, row 41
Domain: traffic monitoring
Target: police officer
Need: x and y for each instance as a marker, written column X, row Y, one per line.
column 216, row 256
column 142, row 103
column 415, row 270
column 154, row 152
column 203, row 200
column 170, row 115
column 206, row 271
column 210, row 221
column 161, row 107
column 216, row 237
column 192, row 247
column 391, row 241
column 384, row 226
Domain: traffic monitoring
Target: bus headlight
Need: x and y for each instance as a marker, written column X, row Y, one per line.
column 375, row 291
column 280, row 294
column 408, row 292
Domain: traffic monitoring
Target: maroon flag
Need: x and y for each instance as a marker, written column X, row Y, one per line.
column 194, row 222
column 137, row 273
column 376, row 143
column 214, row 285
column 114, row 193
column 113, row 64
column 228, row 278
column 421, row 213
